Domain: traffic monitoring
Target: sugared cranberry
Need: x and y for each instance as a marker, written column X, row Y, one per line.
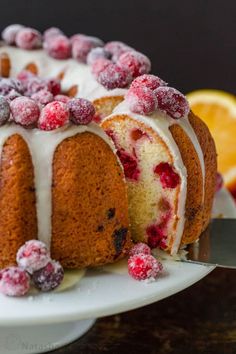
column 7, row 85
column 54, row 86
column 137, row 134
column 136, row 63
column 51, row 32
column 130, row 165
column 168, row 177
column 10, row 32
column 14, row 281
column 97, row 42
column 81, row 46
column 97, row 53
column 32, row 256
column 172, row 102
column 4, row 110
column 25, row 111
column 17, row 85
column 143, row 266
column 54, row 115
column 35, row 84
column 155, row 235
column 49, row 277
column 141, row 100
column 219, row 181
column 43, row 97
column 25, row 75
column 117, row 48
column 81, row 111
column 150, row 81
column 58, row 47
column 62, row 98
column 99, row 65
column 28, row 38
column 140, row 248
column 113, row 77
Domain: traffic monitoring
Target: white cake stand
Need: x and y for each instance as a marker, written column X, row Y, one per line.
column 44, row 322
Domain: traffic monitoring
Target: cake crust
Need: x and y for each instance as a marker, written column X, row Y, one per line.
column 17, row 199
column 89, row 218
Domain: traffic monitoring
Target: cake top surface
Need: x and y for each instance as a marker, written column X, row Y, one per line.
column 99, row 69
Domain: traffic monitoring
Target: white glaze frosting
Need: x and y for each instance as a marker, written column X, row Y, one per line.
column 160, row 122
column 75, row 73
column 42, row 146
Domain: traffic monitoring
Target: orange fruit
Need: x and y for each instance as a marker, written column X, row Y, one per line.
column 218, row 110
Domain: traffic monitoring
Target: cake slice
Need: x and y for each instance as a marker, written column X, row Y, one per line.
column 169, row 160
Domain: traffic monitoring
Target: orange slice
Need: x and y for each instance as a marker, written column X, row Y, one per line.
column 218, row 110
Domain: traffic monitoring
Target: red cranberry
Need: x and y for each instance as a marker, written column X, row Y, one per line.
column 140, row 248
column 150, row 81
column 81, row 46
column 97, row 53
column 143, row 266
column 28, row 38
column 172, row 102
column 81, row 110
column 49, row 277
column 25, row 111
column 51, row 32
column 54, row 115
column 54, row 86
column 219, row 182
column 168, row 177
column 4, row 110
column 10, row 32
column 117, row 48
column 62, row 98
column 130, row 165
column 43, row 97
column 32, row 256
column 136, row 63
column 155, row 235
column 14, row 281
column 97, row 118
column 58, row 47
column 99, row 65
column 113, row 77
column 141, row 100
column 137, row 134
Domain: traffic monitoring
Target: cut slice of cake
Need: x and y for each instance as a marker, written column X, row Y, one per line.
column 169, row 160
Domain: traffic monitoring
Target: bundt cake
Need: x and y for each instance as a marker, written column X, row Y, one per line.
column 169, row 160
column 60, row 179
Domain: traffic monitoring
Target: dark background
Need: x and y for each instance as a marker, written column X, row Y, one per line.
column 191, row 44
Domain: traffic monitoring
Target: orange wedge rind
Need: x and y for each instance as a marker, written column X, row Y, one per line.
column 218, row 110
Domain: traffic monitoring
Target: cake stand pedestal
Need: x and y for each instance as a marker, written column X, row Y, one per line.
column 41, row 338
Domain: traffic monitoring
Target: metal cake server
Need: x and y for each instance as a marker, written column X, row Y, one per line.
column 216, row 246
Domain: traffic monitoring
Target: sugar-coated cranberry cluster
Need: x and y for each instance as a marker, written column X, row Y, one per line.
column 35, row 102
column 34, row 265
column 141, row 264
column 114, row 64
column 147, row 93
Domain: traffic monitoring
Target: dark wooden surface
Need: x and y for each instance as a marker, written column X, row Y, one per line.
column 200, row 319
